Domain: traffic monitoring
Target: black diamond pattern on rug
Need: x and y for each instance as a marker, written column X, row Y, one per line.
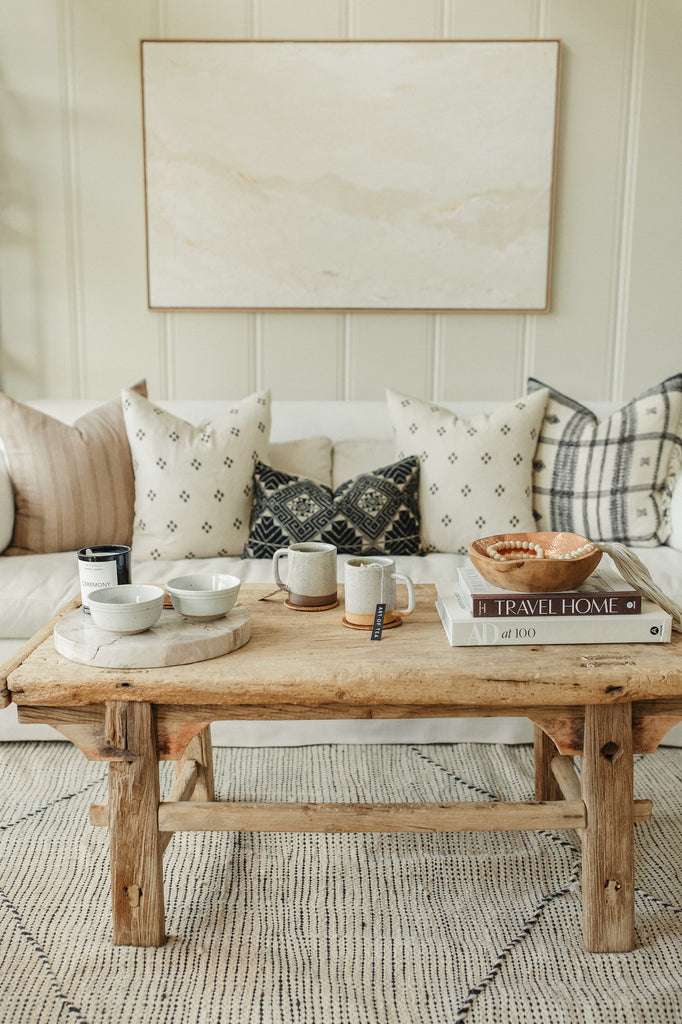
column 465, row 928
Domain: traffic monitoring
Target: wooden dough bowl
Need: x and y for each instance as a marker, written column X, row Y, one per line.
column 536, row 575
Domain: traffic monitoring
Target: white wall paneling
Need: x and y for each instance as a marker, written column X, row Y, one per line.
column 652, row 327
column 73, row 312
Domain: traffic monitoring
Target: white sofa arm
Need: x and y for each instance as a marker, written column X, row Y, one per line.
column 6, row 502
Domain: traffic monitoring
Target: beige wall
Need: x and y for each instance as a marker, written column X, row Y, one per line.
column 73, row 315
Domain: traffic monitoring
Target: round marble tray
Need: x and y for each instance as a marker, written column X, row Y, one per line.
column 172, row 641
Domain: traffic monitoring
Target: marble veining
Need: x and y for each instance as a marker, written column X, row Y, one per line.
column 172, row 641
column 349, row 175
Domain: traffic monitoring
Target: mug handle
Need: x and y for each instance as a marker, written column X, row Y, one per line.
column 281, row 553
column 411, row 596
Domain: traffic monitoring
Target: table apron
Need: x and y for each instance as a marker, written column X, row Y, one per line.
column 177, row 724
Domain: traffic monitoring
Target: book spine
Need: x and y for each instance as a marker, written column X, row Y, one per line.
column 651, row 627
column 541, row 605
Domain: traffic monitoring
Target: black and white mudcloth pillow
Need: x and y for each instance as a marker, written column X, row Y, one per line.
column 609, row 480
column 476, row 473
column 374, row 513
column 193, row 484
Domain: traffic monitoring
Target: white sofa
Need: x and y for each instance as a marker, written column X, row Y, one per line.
column 359, row 438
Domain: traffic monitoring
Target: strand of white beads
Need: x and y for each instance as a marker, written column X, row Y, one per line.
column 512, row 550
column 578, row 552
column 504, row 550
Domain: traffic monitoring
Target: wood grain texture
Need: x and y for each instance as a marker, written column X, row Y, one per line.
column 84, row 726
column 295, row 662
column 199, row 750
column 536, row 575
column 544, row 750
column 566, row 777
column 565, row 774
column 409, row 817
column 331, row 817
column 136, row 857
column 565, row 730
column 608, row 873
column 183, row 789
column 16, row 659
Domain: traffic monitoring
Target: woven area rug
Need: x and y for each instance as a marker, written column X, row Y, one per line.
column 317, row 929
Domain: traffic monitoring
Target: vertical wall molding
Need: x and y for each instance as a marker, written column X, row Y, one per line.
column 528, row 325
column 346, row 386
column 539, row 19
column 435, row 358
column 72, row 206
column 347, row 19
column 526, row 331
column 624, row 214
column 257, row 364
column 345, row 352
column 445, row 19
column 253, row 18
column 166, row 322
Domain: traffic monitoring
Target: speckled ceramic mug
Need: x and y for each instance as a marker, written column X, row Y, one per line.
column 370, row 581
column 311, row 574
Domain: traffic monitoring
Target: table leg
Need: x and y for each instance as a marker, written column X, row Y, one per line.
column 544, row 748
column 136, row 858
column 200, row 749
column 608, row 874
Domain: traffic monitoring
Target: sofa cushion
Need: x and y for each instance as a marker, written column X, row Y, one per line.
column 6, row 503
column 609, row 480
column 193, row 484
column 308, row 456
column 73, row 485
column 476, row 473
column 374, row 513
column 353, row 457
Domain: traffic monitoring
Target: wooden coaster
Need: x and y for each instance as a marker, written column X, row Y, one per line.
column 310, row 608
column 387, row 625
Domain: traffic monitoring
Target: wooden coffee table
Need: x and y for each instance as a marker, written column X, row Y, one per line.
column 604, row 702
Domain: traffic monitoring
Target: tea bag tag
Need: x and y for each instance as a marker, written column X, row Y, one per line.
column 378, row 625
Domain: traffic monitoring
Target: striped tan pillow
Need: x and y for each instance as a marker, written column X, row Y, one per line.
column 73, row 485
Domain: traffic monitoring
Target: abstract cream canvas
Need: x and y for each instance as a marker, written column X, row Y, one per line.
column 349, row 175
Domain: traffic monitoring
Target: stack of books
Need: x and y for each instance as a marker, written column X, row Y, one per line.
column 602, row 610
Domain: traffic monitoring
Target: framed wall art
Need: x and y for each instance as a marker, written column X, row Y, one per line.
column 350, row 175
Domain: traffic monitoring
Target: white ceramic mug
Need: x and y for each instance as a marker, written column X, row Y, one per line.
column 311, row 574
column 370, row 581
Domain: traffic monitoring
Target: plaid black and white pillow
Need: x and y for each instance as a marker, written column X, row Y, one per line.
column 609, row 480
column 375, row 513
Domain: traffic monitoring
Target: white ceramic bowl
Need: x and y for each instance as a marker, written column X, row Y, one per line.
column 204, row 596
column 129, row 608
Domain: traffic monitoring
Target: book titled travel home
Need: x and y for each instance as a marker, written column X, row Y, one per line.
column 605, row 592
column 652, row 625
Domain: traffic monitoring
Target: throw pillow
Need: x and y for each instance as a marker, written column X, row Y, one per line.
column 193, row 483
column 376, row 513
column 610, row 480
column 476, row 474
column 311, row 456
column 73, row 485
column 352, row 457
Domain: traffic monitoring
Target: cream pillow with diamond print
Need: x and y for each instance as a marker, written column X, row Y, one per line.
column 476, row 474
column 193, row 484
